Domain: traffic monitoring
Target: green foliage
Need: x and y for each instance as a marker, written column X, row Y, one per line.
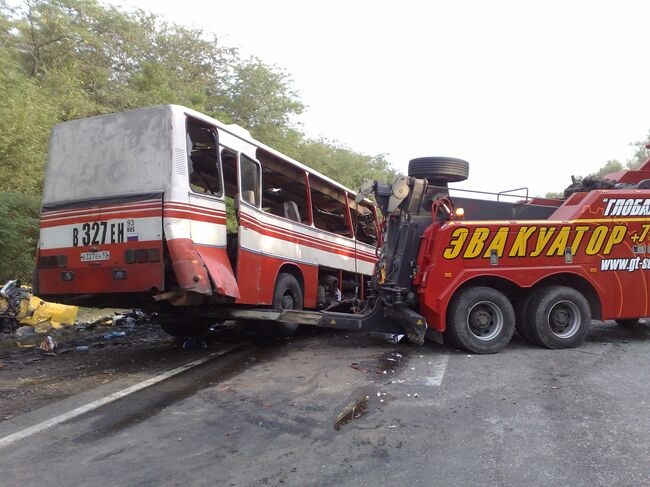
column 641, row 153
column 18, row 235
column 343, row 164
column 610, row 166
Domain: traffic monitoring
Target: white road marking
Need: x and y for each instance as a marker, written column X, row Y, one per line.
column 61, row 418
column 437, row 372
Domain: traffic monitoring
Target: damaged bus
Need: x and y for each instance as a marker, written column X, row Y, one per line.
column 166, row 205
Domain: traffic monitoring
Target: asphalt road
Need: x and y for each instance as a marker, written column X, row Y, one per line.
column 299, row 413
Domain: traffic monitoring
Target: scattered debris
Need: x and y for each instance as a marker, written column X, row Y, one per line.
column 194, row 343
column 48, row 345
column 351, row 412
column 18, row 306
column 25, row 331
column 115, row 334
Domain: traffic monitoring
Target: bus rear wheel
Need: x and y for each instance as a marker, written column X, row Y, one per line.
column 481, row 320
column 558, row 317
column 287, row 295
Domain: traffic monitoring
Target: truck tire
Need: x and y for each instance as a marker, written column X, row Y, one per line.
column 521, row 307
column 442, row 169
column 558, row 317
column 287, row 295
column 480, row 320
column 628, row 322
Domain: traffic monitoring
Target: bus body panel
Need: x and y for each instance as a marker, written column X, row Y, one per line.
column 107, row 247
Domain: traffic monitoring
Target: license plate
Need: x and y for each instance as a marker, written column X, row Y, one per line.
column 95, row 256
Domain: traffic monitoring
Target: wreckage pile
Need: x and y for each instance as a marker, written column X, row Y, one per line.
column 19, row 307
column 28, row 322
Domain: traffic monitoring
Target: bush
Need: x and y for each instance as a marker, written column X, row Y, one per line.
column 18, row 236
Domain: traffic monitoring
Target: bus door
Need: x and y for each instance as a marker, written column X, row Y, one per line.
column 250, row 230
column 207, row 207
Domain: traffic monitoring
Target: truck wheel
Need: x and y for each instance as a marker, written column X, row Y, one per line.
column 287, row 295
column 558, row 317
column 628, row 322
column 521, row 308
column 442, row 169
column 480, row 320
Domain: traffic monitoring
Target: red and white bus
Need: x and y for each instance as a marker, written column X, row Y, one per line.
column 168, row 204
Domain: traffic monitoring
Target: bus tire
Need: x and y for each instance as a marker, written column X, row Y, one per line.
column 628, row 322
column 287, row 295
column 558, row 317
column 441, row 169
column 521, row 324
column 480, row 320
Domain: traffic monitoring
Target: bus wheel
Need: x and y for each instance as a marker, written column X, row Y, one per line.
column 480, row 320
column 558, row 317
column 287, row 295
column 628, row 322
column 521, row 325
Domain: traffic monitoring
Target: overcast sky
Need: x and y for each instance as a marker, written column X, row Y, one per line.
column 529, row 92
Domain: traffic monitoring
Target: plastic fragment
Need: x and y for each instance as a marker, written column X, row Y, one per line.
column 48, row 345
column 115, row 334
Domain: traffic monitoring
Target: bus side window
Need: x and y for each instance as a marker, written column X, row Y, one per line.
column 250, row 181
column 363, row 220
column 284, row 188
column 203, row 158
column 330, row 211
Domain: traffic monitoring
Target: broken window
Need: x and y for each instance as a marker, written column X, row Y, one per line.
column 329, row 208
column 364, row 222
column 250, row 181
column 284, row 188
column 203, row 158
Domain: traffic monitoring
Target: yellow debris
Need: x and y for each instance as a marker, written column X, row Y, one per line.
column 43, row 315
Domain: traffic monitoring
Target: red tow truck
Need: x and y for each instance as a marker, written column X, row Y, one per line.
column 474, row 271
column 478, row 270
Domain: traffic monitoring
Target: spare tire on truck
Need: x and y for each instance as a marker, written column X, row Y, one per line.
column 439, row 169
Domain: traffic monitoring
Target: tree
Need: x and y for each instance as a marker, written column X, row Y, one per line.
column 261, row 99
column 610, row 166
column 641, row 154
column 18, row 236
